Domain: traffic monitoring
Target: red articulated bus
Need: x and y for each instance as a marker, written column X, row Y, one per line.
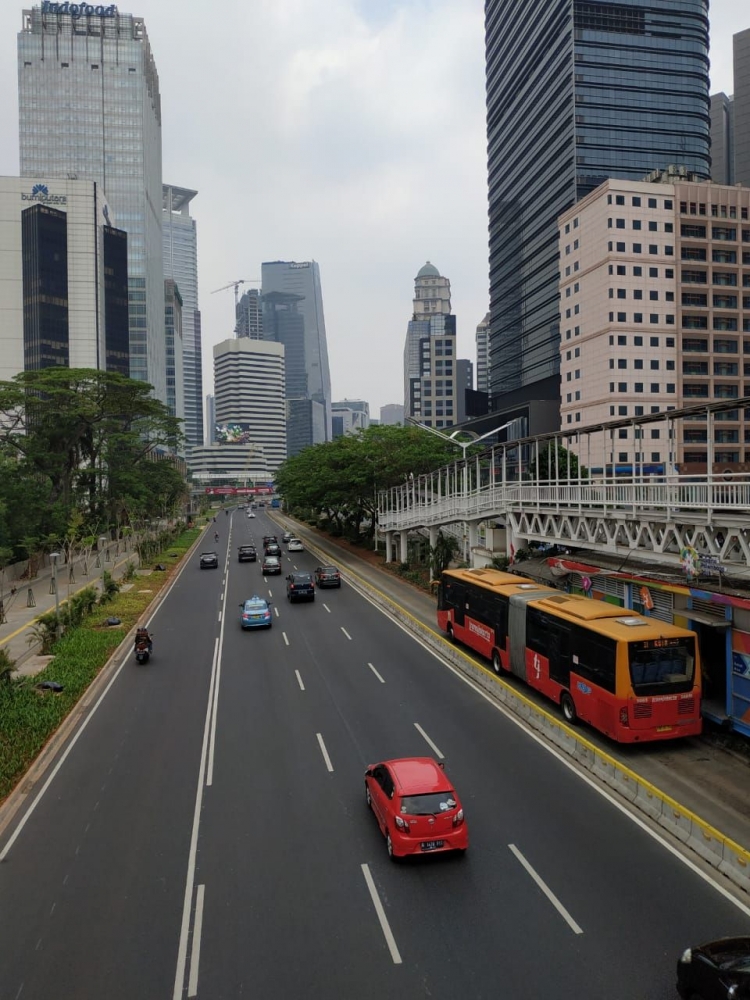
column 633, row 678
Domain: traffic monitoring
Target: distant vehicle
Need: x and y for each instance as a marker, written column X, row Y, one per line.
column 271, row 565
column 300, row 587
column 255, row 613
column 295, row 545
column 719, row 970
column 251, row 513
column 261, row 503
column 267, row 539
column 246, row 553
column 209, row 560
column 327, row 576
column 286, row 536
column 272, row 549
column 275, row 503
column 636, row 679
column 416, row 807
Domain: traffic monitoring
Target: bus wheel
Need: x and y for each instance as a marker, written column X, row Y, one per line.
column 568, row 708
column 497, row 665
column 449, row 630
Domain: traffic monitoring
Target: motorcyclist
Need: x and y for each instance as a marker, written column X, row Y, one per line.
column 142, row 634
column 216, row 536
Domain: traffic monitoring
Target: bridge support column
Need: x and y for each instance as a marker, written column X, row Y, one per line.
column 473, row 541
column 511, row 543
column 433, row 543
column 404, row 548
column 389, row 546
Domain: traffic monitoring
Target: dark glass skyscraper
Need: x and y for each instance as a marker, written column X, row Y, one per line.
column 577, row 91
column 44, row 236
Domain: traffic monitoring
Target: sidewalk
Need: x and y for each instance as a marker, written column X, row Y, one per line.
column 14, row 633
column 698, row 773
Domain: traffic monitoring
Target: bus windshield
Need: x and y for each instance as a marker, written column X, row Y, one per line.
column 658, row 666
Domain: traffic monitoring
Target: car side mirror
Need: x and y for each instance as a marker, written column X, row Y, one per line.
column 269, row 603
column 240, row 605
column 368, row 772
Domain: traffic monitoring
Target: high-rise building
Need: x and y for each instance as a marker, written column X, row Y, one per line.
column 249, row 391
column 576, row 92
column 483, row 354
column 350, row 416
column 181, row 265
column 64, row 287
column 173, row 329
column 283, row 323
column 464, row 380
column 89, row 107
column 305, row 424
column 659, row 290
column 210, row 420
column 392, row 414
column 430, row 352
column 722, row 139
column 302, row 278
column 741, row 108
column 250, row 315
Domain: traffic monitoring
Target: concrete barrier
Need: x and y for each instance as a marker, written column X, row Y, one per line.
column 709, row 843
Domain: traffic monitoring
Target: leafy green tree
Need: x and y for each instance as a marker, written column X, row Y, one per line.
column 565, row 467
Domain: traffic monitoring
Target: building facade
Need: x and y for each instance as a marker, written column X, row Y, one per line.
column 576, row 92
column 63, row 297
column 305, row 424
column 392, row 414
column 250, row 315
column 302, row 278
column 250, row 399
column 181, row 266
column 482, row 338
column 722, row 139
column 741, row 108
column 655, row 309
column 89, row 107
column 464, row 384
column 350, row 416
column 430, row 352
column 210, row 429
column 173, row 330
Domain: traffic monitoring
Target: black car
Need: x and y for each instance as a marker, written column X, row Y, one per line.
column 719, row 970
column 300, row 587
column 327, row 576
column 209, row 560
column 246, row 553
column 269, row 539
column 286, row 536
column 272, row 549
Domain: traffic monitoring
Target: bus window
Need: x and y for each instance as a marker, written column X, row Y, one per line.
column 658, row 666
column 593, row 658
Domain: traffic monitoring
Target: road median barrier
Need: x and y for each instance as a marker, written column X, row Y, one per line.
column 714, row 847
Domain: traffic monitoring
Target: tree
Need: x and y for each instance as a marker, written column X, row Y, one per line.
column 564, row 467
column 442, row 554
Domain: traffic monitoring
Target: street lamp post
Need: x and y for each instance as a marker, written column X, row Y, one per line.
column 102, row 543
column 54, row 556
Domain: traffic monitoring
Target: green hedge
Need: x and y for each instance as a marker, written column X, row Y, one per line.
column 28, row 716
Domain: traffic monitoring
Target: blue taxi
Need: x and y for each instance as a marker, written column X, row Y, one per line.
column 256, row 613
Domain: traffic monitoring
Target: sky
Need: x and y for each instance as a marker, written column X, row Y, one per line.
column 350, row 132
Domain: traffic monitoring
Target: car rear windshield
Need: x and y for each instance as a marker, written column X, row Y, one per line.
column 272, row 559
column 427, row 805
column 329, row 570
column 302, row 578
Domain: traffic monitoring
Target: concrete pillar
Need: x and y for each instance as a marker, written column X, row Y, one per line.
column 473, row 541
column 433, row 543
column 511, row 542
column 389, row 546
column 404, row 549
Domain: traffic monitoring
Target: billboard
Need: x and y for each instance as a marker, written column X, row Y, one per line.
column 232, row 434
column 240, row 491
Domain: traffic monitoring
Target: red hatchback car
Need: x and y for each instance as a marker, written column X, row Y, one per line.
column 416, row 807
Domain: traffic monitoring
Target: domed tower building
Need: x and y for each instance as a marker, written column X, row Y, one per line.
column 430, row 352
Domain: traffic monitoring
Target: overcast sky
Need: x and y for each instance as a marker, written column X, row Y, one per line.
column 350, row 132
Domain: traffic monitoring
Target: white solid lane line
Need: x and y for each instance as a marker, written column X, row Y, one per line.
column 376, row 673
column 327, row 608
column 215, row 708
column 384, row 925
column 427, row 739
column 286, row 638
column 323, row 750
column 346, row 633
column 547, row 891
column 195, row 951
column 299, row 680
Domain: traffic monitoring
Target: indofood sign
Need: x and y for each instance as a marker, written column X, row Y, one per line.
column 40, row 192
column 78, row 9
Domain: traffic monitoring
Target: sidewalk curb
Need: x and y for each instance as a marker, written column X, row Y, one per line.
column 29, row 782
column 714, row 847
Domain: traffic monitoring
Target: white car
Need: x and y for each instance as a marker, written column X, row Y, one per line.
column 295, row 545
column 250, row 514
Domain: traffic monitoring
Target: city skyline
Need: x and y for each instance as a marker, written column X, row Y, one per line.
column 341, row 209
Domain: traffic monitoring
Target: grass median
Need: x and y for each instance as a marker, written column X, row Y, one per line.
column 29, row 715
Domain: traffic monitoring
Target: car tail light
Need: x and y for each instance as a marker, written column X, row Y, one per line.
column 458, row 818
column 624, row 716
column 402, row 824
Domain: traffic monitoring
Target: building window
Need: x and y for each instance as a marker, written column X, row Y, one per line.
column 622, row 363
column 638, row 341
column 636, row 247
column 622, row 318
column 638, row 364
column 654, row 387
column 619, row 223
column 637, row 317
column 621, row 248
column 621, row 340
column 654, row 366
column 620, row 293
column 638, row 386
column 622, row 386
column 622, row 411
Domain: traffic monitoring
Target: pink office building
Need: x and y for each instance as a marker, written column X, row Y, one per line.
column 652, row 314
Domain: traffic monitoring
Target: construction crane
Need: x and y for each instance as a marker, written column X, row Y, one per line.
column 236, row 286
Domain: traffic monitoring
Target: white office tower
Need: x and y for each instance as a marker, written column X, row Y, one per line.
column 483, row 355
column 392, row 414
column 89, row 107
column 302, row 278
column 249, row 393
column 430, row 352
column 181, row 266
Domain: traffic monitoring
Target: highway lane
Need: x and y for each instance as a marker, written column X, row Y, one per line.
column 279, row 902
column 90, row 893
column 460, row 926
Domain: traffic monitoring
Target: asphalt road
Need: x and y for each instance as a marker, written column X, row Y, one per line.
column 207, row 834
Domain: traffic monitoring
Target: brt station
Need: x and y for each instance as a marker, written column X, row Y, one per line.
column 585, row 511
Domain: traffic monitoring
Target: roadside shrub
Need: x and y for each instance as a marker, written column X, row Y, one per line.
column 44, row 632
column 110, row 588
column 129, row 572
column 7, row 666
column 81, row 605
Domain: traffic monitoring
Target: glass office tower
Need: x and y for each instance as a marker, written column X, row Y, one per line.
column 577, row 91
column 89, row 107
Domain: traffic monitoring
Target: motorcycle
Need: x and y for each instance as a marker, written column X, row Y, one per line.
column 142, row 650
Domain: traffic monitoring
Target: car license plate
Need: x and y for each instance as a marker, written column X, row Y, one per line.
column 432, row 845
column 257, row 618
column 664, row 729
